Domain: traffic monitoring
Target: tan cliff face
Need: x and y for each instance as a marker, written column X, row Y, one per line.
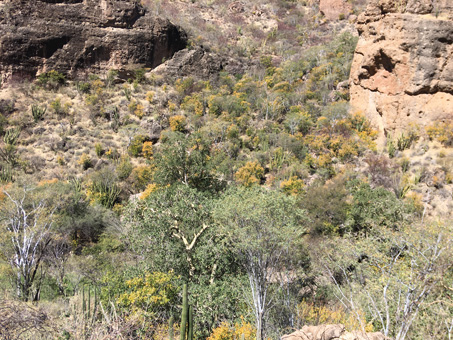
column 402, row 72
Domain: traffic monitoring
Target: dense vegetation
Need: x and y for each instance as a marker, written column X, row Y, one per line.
column 259, row 190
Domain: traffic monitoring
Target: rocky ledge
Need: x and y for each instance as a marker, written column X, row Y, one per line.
column 402, row 71
column 81, row 36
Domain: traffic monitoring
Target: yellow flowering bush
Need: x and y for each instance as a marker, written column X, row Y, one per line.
column 141, row 176
column 249, row 174
column 148, row 191
column 292, row 186
column 147, row 150
column 178, row 123
column 149, row 293
column 85, row 161
column 441, row 131
column 150, row 96
column 241, row 330
column 193, row 104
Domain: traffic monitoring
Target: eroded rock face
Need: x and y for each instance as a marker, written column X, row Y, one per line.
column 74, row 36
column 402, row 71
column 331, row 332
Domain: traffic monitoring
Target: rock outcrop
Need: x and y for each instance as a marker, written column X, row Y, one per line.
column 74, row 36
column 402, row 71
column 200, row 64
column 331, row 332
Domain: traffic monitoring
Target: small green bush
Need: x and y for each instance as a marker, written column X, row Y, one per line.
column 136, row 147
column 38, row 112
column 85, row 161
column 52, row 79
column 124, row 168
column 98, row 149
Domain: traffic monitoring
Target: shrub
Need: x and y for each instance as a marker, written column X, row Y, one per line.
column 178, row 123
column 193, row 104
column 52, row 79
column 103, row 188
column 97, row 86
column 59, row 109
column 11, row 136
column 83, row 87
column 38, row 112
column 132, row 106
column 148, row 300
column 139, row 75
column 250, row 174
column 112, row 154
column 292, row 186
column 148, row 191
column 442, row 132
column 185, row 86
column 124, row 168
column 98, row 149
column 416, row 200
column 136, row 145
column 60, row 160
column 141, row 176
column 3, row 124
column 139, row 111
column 150, row 96
column 241, row 330
column 85, row 161
column 372, row 208
column 147, row 150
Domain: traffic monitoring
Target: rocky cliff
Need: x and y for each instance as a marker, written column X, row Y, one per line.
column 402, row 71
column 75, row 36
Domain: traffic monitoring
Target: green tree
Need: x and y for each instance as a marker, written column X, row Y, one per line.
column 171, row 224
column 173, row 229
column 265, row 229
column 374, row 207
column 187, row 160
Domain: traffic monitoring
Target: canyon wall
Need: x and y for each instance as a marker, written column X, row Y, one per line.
column 402, row 72
column 74, row 36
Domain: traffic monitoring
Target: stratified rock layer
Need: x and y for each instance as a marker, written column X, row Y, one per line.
column 74, row 36
column 402, row 71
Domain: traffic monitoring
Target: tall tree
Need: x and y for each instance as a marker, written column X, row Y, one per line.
column 265, row 229
column 171, row 227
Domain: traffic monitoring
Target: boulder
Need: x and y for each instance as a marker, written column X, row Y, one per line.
column 200, row 63
column 331, row 332
column 81, row 36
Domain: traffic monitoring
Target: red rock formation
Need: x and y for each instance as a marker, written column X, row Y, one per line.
column 74, row 35
column 402, row 70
